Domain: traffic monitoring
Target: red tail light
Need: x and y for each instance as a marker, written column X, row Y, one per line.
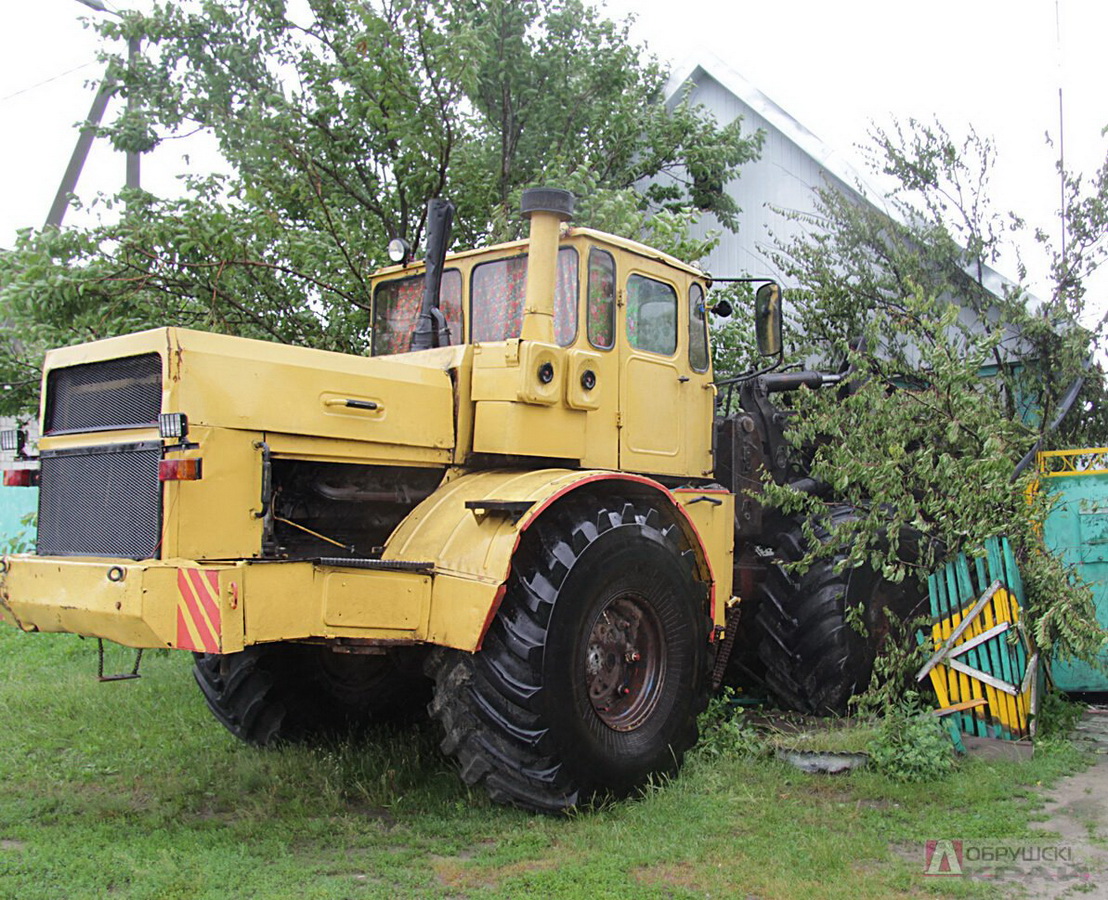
column 21, row 477
column 180, row 470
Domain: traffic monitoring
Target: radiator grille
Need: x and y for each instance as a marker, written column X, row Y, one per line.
column 115, row 393
column 100, row 501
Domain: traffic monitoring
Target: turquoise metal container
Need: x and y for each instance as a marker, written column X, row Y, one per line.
column 16, row 503
column 1077, row 530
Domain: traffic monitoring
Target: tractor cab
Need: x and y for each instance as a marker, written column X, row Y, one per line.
column 585, row 346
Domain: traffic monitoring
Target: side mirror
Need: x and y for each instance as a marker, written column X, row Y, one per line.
column 767, row 319
column 722, row 309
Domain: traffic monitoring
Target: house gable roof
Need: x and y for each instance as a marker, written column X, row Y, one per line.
column 831, row 161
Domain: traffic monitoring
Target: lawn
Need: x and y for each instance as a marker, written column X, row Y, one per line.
column 132, row 790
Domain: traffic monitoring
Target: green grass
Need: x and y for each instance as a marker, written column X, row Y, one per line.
column 132, row 790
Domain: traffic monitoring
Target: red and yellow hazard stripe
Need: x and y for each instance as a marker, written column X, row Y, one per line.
column 198, row 617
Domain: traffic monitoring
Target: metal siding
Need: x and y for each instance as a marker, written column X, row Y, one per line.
column 785, row 177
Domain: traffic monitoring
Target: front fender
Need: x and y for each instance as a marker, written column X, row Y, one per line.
column 470, row 529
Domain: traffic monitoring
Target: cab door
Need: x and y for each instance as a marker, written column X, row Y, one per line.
column 655, row 381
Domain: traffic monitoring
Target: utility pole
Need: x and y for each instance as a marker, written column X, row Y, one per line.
column 88, row 133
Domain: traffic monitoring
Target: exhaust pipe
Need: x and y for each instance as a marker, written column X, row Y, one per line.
column 547, row 208
column 431, row 328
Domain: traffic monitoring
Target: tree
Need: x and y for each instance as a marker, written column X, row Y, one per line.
column 952, row 382
column 338, row 125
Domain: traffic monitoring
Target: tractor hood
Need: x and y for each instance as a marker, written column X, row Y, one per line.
column 237, row 383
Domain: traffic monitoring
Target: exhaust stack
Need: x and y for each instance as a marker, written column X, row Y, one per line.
column 431, row 329
column 547, row 208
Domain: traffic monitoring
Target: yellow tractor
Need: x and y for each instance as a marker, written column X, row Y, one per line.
column 521, row 503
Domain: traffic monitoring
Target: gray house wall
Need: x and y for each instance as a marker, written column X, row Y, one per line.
column 793, row 163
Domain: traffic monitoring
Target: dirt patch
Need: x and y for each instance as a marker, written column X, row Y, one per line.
column 1077, row 807
column 457, row 872
column 8, row 844
column 685, row 876
column 1071, row 860
column 368, row 811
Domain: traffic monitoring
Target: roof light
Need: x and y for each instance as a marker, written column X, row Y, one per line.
column 173, row 425
column 399, row 250
column 180, row 470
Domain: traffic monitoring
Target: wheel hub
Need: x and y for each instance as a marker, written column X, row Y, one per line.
column 625, row 662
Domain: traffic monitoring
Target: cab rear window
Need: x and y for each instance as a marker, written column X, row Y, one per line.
column 497, row 294
column 396, row 306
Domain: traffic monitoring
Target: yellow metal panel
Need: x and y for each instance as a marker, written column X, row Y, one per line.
column 523, row 429
column 653, row 415
column 461, row 609
column 318, row 449
column 101, row 439
column 296, row 600
column 260, row 386
column 471, row 543
column 533, row 360
column 211, row 608
column 235, row 382
column 639, row 250
column 715, row 527
column 495, row 371
column 154, row 340
column 74, row 596
column 666, row 407
column 458, row 361
column 214, row 517
column 378, row 600
column 509, row 370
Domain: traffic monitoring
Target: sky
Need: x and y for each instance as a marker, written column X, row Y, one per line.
column 836, row 67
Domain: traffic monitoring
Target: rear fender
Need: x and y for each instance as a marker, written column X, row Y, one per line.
column 470, row 529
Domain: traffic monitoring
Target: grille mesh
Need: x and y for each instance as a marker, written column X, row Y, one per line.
column 116, row 393
column 100, row 501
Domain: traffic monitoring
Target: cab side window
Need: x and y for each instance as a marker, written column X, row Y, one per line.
column 698, row 330
column 600, row 312
column 651, row 315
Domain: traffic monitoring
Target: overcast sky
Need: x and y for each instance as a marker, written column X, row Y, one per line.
column 834, row 66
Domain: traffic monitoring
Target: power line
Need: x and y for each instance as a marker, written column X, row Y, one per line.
column 47, row 81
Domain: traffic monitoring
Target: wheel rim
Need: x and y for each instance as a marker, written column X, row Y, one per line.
column 625, row 662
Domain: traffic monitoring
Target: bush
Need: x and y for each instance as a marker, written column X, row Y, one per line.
column 725, row 732
column 911, row 745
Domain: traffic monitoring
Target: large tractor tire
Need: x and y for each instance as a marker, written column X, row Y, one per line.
column 277, row 693
column 815, row 659
column 594, row 669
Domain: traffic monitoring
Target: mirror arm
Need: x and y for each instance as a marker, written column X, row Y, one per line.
column 746, row 376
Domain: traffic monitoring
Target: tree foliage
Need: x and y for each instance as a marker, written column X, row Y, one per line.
column 338, row 122
column 957, row 374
